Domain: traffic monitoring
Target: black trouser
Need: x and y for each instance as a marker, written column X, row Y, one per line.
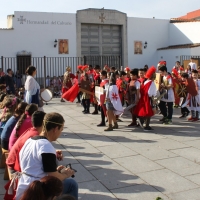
column 166, row 110
column 148, row 121
column 102, row 115
column 184, row 110
column 86, row 104
column 79, row 97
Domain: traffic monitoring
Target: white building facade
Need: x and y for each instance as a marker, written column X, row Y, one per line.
column 97, row 34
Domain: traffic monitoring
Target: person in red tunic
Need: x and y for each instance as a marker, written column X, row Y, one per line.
column 133, row 93
column 96, row 82
column 79, row 78
column 127, row 71
column 175, row 80
column 106, row 68
column 141, row 74
column 67, row 81
column 122, row 85
column 144, row 108
column 104, row 84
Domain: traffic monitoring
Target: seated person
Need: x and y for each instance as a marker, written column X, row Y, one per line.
column 49, row 187
column 10, row 124
column 23, row 124
column 38, row 158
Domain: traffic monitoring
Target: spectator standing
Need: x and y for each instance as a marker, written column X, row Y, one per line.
column 193, row 64
column 18, row 79
column 10, row 83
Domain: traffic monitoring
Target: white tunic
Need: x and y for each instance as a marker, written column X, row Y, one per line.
column 31, row 162
column 31, row 86
column 193, row 65
column 152, row 92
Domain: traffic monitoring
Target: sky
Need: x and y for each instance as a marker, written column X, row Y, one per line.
column 160, row 9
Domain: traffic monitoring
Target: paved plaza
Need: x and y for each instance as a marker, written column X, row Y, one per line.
column 128, row 163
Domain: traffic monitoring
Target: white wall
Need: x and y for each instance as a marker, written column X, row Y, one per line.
column 195, row 51
column 154, row 31
column 184, row 33
column 172, row 55
column 39, row 38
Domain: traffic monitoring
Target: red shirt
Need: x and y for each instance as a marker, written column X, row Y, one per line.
column 141, row 80
column 13, row 157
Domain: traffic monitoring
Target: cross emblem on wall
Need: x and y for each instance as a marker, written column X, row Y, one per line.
column 102, row 18
column 21, row 19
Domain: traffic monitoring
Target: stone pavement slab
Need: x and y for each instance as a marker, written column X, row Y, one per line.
column 137, row 164
column 186, row 195
column 96, row 161
column 117, row 151
column 191, row 153
column 116, row 177
column 94, row 190
column 155, row 153
column 139, row 192
column 168, row 181
column 180, row 166
column 195, row 178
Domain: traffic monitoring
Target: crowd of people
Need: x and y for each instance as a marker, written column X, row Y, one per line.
column 143, row 92
column 27, row 133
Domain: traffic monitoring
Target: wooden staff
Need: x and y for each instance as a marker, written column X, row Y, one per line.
column 86, row 91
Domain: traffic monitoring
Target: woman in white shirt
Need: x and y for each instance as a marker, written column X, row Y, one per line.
column 32, row 88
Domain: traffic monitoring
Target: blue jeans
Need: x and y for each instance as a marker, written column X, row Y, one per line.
column 70, row 186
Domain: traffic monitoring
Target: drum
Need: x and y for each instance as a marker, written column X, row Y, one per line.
column 46, row 95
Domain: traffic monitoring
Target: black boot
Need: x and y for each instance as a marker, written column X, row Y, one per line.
column 101, row 124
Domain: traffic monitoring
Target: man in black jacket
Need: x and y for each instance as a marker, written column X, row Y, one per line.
column 9, row 81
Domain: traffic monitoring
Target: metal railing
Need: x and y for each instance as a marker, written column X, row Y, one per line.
column 184, row 57
column 54, row 66
column 112, row 61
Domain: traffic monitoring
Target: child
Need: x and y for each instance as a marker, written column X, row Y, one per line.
column 141, row 74
column 145, row 106
column 194, row 101
column 9, row 106
column 48, row 80
column 85, row 84
column 188, row 70
column 166, row 103
column 133, row 94
column 104, row 84
column 122, row 85
column 113, row 103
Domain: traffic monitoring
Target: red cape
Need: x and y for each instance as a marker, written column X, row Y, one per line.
column 72, row 93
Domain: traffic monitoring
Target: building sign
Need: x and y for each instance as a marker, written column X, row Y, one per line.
column 23, row 20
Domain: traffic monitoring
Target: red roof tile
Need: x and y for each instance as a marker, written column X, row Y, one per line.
column 181, row 46
column 191, row 15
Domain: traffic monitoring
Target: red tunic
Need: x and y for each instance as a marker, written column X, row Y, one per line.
column 143, row 108
column 122, row 87
column 68, row 83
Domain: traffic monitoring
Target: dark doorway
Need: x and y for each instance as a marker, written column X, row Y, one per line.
column 23, row 61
